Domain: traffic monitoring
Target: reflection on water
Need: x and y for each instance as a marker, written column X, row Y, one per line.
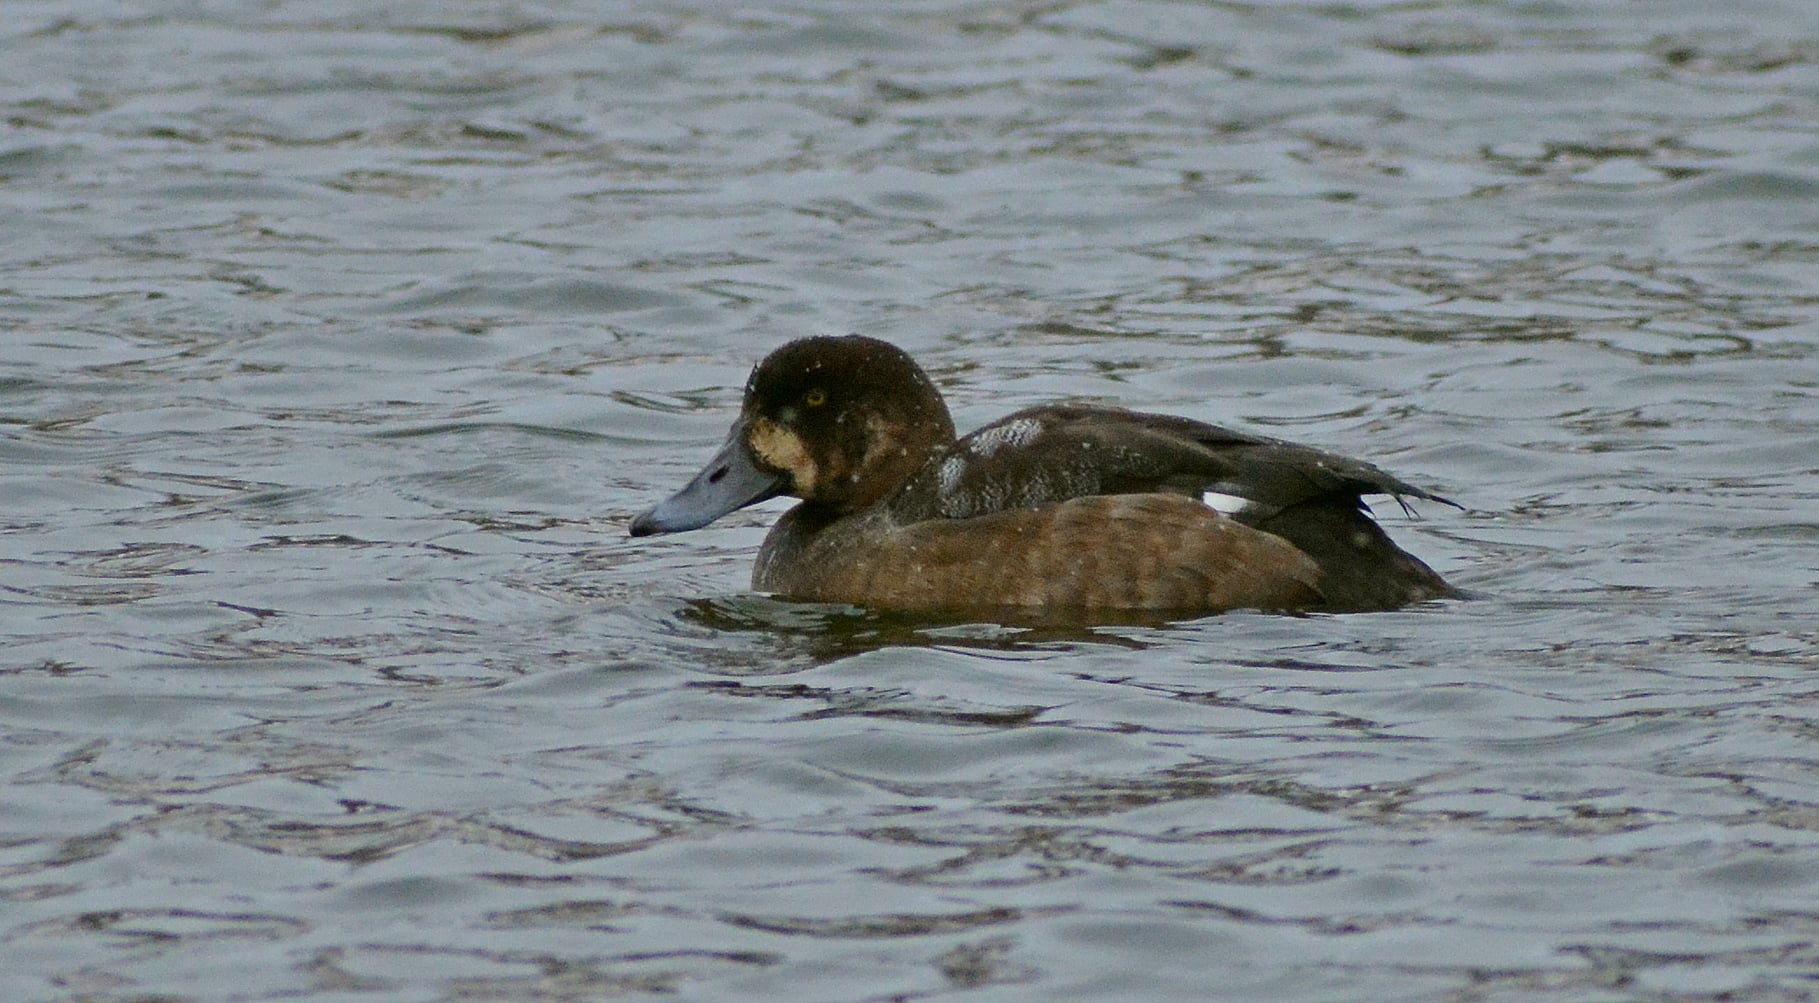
column 341, row 342
column 828, row 632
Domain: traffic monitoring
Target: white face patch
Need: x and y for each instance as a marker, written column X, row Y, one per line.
column 1223, row 503
column 1015, row 434
column 782, row 449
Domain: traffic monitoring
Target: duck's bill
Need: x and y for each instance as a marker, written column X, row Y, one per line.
column 730, row 481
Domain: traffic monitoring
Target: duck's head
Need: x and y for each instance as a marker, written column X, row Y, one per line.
column 836, row 422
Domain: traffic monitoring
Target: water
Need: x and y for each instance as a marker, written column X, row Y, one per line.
column 340, row 342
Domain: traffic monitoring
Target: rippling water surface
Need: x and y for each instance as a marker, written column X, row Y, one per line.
column 340, row 340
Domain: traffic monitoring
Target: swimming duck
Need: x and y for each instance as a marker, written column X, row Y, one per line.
column 1053, row 508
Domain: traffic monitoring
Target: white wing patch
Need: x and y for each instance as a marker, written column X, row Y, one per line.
column 1015, row 434
column 951, row 468
column 1223, row 503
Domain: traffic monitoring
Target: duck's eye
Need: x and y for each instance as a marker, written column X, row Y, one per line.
column 815, row 397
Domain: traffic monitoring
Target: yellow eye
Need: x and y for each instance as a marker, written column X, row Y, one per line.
column 815, row 397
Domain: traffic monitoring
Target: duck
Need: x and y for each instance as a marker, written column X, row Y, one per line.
column 1059, row 508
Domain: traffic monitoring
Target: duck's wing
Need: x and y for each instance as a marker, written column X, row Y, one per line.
column 1049, row 454
column 1151, row 552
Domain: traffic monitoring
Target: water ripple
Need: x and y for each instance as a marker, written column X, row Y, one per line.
column 343, row 340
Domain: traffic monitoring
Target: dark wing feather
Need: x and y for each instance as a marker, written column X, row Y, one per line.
column 1071, row 451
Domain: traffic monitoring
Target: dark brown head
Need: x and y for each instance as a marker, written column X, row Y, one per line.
column 837, row 422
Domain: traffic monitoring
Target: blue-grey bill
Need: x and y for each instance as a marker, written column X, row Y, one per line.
column 730, row 481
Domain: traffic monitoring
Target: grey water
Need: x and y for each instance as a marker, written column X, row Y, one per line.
column 338, row 342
